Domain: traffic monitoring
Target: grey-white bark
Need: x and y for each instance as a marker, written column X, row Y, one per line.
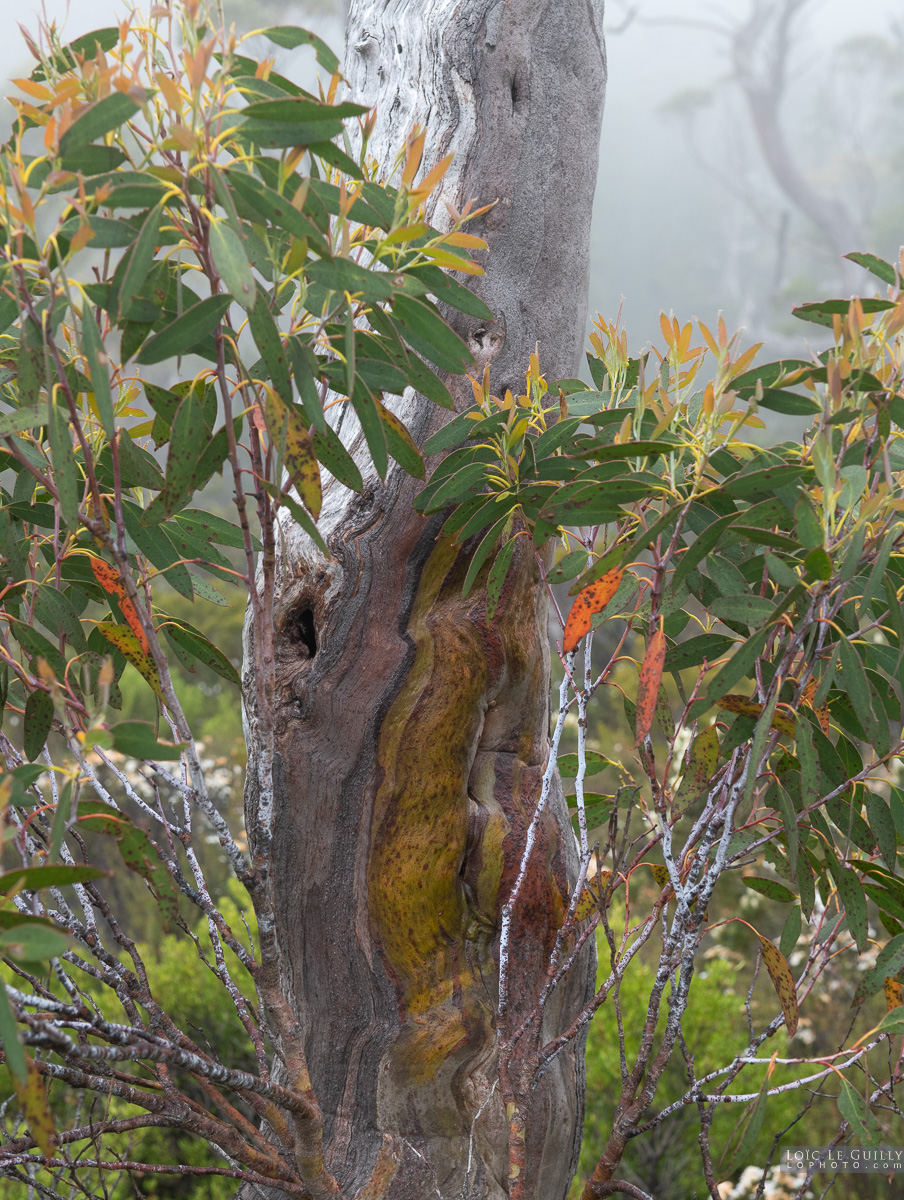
column 411, row 745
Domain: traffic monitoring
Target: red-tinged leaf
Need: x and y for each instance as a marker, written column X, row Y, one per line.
column 37, row 724
column 35, row 1109
column 648, row 687
column 782, row 981
column 894, row 995
column 592, row 599
column 126, row 642
column 703, row 760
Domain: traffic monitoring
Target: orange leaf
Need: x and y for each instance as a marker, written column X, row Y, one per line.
column 782, row 981
column 108, row 577
column 592, row 599
column 648, row 689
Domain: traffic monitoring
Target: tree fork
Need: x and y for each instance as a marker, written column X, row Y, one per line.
column 411, row 738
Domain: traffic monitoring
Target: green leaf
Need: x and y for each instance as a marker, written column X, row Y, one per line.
column 373, row 429
column 306, row 523
column 790, row 931
column 231, row 261
column 702, row 763
column 854, row 902
column 453, row 433
column 883, row 828
column 855, row 1109
column 37, row 723
column 497, row 576
column 32, row 878
column 138, row 467
column 400, row 443
column 21, row 419
column 792, row 404
column 568, row 567
column 738, row 667
column 769, row 888
column 139, row 259
column 279, row 210
column 482, row 553
column 337, row 460
column 206, row 527
column 97, row 369
column 876, row 266
column 429, row 334
column 593, row 761
column 266, row 337
column 9, row 1036
column 708, row 646
column 889, row 961
column 32, row 943
column 55, row 611
column 763, row 482
column 822, row 312
column 186, row 332
column 290, row 36
column 853, row 677
column 746, row 609
column 704, row 545
column 343, row 275
column 65, row 470
column 137, row 739
column 102, row 117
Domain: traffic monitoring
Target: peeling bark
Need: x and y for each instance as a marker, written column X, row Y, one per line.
column 411, row 739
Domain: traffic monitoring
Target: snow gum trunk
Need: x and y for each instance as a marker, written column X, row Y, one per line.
column 410, row 738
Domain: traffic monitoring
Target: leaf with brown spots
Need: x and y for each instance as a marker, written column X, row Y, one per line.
column 745, row 707
column 128, row 644
column 894, row 995
column 109, row 579
column 648, row 688
column 588, row 901
column 290, row 434
column 702, row 762
column 660, row 873
column 782, row 981
column 592, row 599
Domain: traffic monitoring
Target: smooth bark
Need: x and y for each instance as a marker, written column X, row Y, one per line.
column 411, row 738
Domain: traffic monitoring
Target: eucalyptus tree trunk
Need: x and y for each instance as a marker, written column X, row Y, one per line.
column 411, row 737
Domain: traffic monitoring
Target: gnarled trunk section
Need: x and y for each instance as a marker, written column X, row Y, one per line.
column 411, row 737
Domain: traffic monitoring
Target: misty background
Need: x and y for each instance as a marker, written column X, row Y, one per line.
column 692, row 214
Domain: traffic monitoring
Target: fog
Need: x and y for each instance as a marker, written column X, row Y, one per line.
column 694, row 231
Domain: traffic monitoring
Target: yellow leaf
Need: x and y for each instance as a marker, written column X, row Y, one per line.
column 782, row 981
column 35, row 1109
column 125, row 641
